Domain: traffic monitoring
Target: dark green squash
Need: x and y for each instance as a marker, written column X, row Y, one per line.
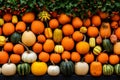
column 23, row 69
column 15, row 37
column 108, row 69
column 67, row 68
column 107, row 45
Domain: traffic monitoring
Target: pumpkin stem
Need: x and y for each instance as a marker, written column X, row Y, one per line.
column 9, row 61
column 52, row 62
column 28, row 28
column 6, row 39
column 84, row 38
column 25, row 47
column 82, row 60
column 66, row 60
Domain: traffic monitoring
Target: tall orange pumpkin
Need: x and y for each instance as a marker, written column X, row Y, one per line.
column 96, row 20
column 3, row 57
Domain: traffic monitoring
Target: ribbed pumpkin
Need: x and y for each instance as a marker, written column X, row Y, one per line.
column 28, row 38
column 116, row 48
column 96, row 20
column 77, row 36
column 3, row 57
column 48, row 33
column 108, row 69
column 117, row 69
column 82, row 47
column 23, row 69
column 39, row 68
column 77, row 22
column 97, row 49
column 89, row 57
column 15, row 37
column 67, row 68
column 49, row 45
column 96, row 68
column 105, row 30
column 58, row 48
column 117, row 33
column 92, row 31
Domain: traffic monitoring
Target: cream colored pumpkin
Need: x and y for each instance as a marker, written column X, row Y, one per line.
column 9, row 69
column 29, row 56
column 81, row 68
column 58, row 49
column 0, row 70
column 53, row 70
column 39, row 68
column 116, row 48
column 28, row 38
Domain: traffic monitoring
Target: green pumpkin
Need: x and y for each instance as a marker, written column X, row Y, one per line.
column 117, row 69
column 15, row 37
column 23, row 69
column 108, row 69
column 107, row 45
column 67, row 68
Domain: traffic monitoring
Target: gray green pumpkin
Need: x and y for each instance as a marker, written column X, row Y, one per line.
column 15, row 37
column 117, row 69
column 108, row 69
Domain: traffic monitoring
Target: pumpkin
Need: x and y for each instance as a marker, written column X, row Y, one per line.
column 96, row 20
column 113, row 38
column 0, row 70
column 89, row 57
column 105, row 30
column 77, row 22
column 15, row 37
column 103, row 15
column 55, row 58
column 39, row 68
column 15, row 58
column 37, row 47
column 92, row 42
column 82, row 47
column 3, row 57
column 83, row 29
column 28, row 56
column 8, row 47
column 117, row 33
column 99, row 39
column 1, row 21
column 2, row 40
column 92, row 31
column 108, row 69
column 23, row 69
column 96, row 68
column 67, row 68
column 114, row 24
column 58, row 48
column 20, row 26
column 115, row 17
column 8, row 29
column 107, row 45
column 41, row 38
column 44, row 56
column 53, row 23
column 18, row 49
column 37, row 27
column 67, row 29
column 116, row 48
column 68, row 43
column 117, row 69
column 103, row 57
column 75, row 56
column 14, row 19
column 28, row 38
column 77, row 36
column 9, row 69
column 87, row 22
column 49, row 45
column 113, row 59
column 57, row 35
column 81, row 68
column 7, row 17
column 53, row 70
column 66, row 55
column 64, row 18
column 97, row 49
column 48, row 32
column 28, row 17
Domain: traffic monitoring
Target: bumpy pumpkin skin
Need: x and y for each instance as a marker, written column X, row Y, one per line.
column 96, row 68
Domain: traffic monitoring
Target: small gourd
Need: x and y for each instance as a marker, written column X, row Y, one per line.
column 48, row 32
column 113, row 38
column 97, row 49
column 92, row 42
column 99, row 40
column 59, row 49
column 83, row 29
column 2, row 40
column 15, row 37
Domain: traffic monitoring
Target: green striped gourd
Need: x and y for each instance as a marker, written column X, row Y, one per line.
column 97, row 49
column 117, row 69
column 108, row 69
column 23, row 69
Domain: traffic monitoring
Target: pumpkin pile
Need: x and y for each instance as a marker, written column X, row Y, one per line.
column 51, row 44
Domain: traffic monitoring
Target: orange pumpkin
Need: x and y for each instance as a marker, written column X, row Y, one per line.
column 8, row 29
column 8, row 46
column 7, row 17
column 113, row 59
column 114, row 24
column 67, row 43
column 3, row 57
column 103, row 57
column 20, row 26
column 89, row 57
column 75, row 56
column 44, row 56
column 53, row 23
column 37, row 27
column 103, row 15
column 67, row 29
column 115, row 17
column 41, row 38
column 96, row 69
column 65, row 55
column 77, row 36
column 55, row 58
column 105, row 30
column 87, row 22
column 92, row 31
column 37, row 47
column 117, row 32
column 49, row 45
column 15, row 58
column 18, row 49
column 96, row 20
column 77, row 22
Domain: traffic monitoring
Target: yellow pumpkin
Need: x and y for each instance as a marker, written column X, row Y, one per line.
column 48, row 32
column 2, row 40
column 28, row 38
column 58, row 49
column 39, row 68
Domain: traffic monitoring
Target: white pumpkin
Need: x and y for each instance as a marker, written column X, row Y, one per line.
column 9, row 69
column 29, row 56
column 53, row 70
column 58, row 49
column 0, row 70
column 81, row 68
